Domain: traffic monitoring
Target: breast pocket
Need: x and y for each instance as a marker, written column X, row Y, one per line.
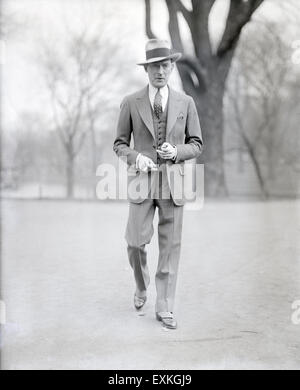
column 181, row 120
column 181, row 116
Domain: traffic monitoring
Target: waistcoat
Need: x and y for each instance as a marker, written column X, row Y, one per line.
column 160, row 126
column 159, row 180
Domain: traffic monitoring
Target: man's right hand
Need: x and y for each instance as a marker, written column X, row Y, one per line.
column 145, row 164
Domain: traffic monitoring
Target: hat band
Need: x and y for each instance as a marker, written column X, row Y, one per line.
column 160, row 52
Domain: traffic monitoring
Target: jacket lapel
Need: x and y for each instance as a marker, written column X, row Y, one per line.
column 173, row 110
column 144, row 108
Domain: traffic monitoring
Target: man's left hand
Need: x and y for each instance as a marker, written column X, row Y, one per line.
column 168, row 151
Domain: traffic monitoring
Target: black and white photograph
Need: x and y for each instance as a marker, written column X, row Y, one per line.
column 150, row 186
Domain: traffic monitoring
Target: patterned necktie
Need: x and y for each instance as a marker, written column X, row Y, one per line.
column 157, row 104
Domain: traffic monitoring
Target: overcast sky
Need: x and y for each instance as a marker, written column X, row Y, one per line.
column 39, row 20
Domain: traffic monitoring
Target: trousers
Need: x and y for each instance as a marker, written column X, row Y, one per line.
column 139, row 232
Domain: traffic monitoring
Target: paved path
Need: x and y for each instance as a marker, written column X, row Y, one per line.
column 68, row 289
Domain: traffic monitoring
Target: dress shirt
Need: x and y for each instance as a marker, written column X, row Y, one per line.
column 164, row 95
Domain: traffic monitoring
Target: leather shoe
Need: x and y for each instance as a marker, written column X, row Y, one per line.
column 167, row 318
column 139, row 302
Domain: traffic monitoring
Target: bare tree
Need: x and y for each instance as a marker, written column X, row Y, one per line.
column 204, row 73
column 76, row 81
column 258, row 86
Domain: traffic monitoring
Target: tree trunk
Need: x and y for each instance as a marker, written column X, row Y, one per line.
column 261, row 181
column 256, row 165
column 94, row 161
column 70, row 176
column 210, row 109
column 209, row 103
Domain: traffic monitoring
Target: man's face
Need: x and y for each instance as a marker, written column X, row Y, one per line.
column 159, row 73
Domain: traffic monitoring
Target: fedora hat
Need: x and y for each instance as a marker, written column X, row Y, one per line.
column 159, row 50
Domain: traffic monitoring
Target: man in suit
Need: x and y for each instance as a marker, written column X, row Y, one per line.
column 165, row 129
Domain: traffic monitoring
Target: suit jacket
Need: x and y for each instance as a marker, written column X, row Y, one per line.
column 183, row 130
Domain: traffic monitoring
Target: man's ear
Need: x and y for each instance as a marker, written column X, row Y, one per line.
column 172, row 65
column 145, row 67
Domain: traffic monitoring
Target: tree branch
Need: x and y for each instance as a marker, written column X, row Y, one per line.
column 149, row 31
column 199, row 30
column 196, row 67
column 185, row 12
column 173, row 26
column 240, row 13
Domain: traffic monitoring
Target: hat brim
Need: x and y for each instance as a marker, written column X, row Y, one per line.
column 173, row 57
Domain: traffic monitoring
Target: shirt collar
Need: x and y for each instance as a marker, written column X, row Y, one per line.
column 164, row 94
column 163, row 91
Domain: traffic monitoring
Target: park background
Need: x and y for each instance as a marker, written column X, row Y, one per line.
column 68, row 64
column 65, row 281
